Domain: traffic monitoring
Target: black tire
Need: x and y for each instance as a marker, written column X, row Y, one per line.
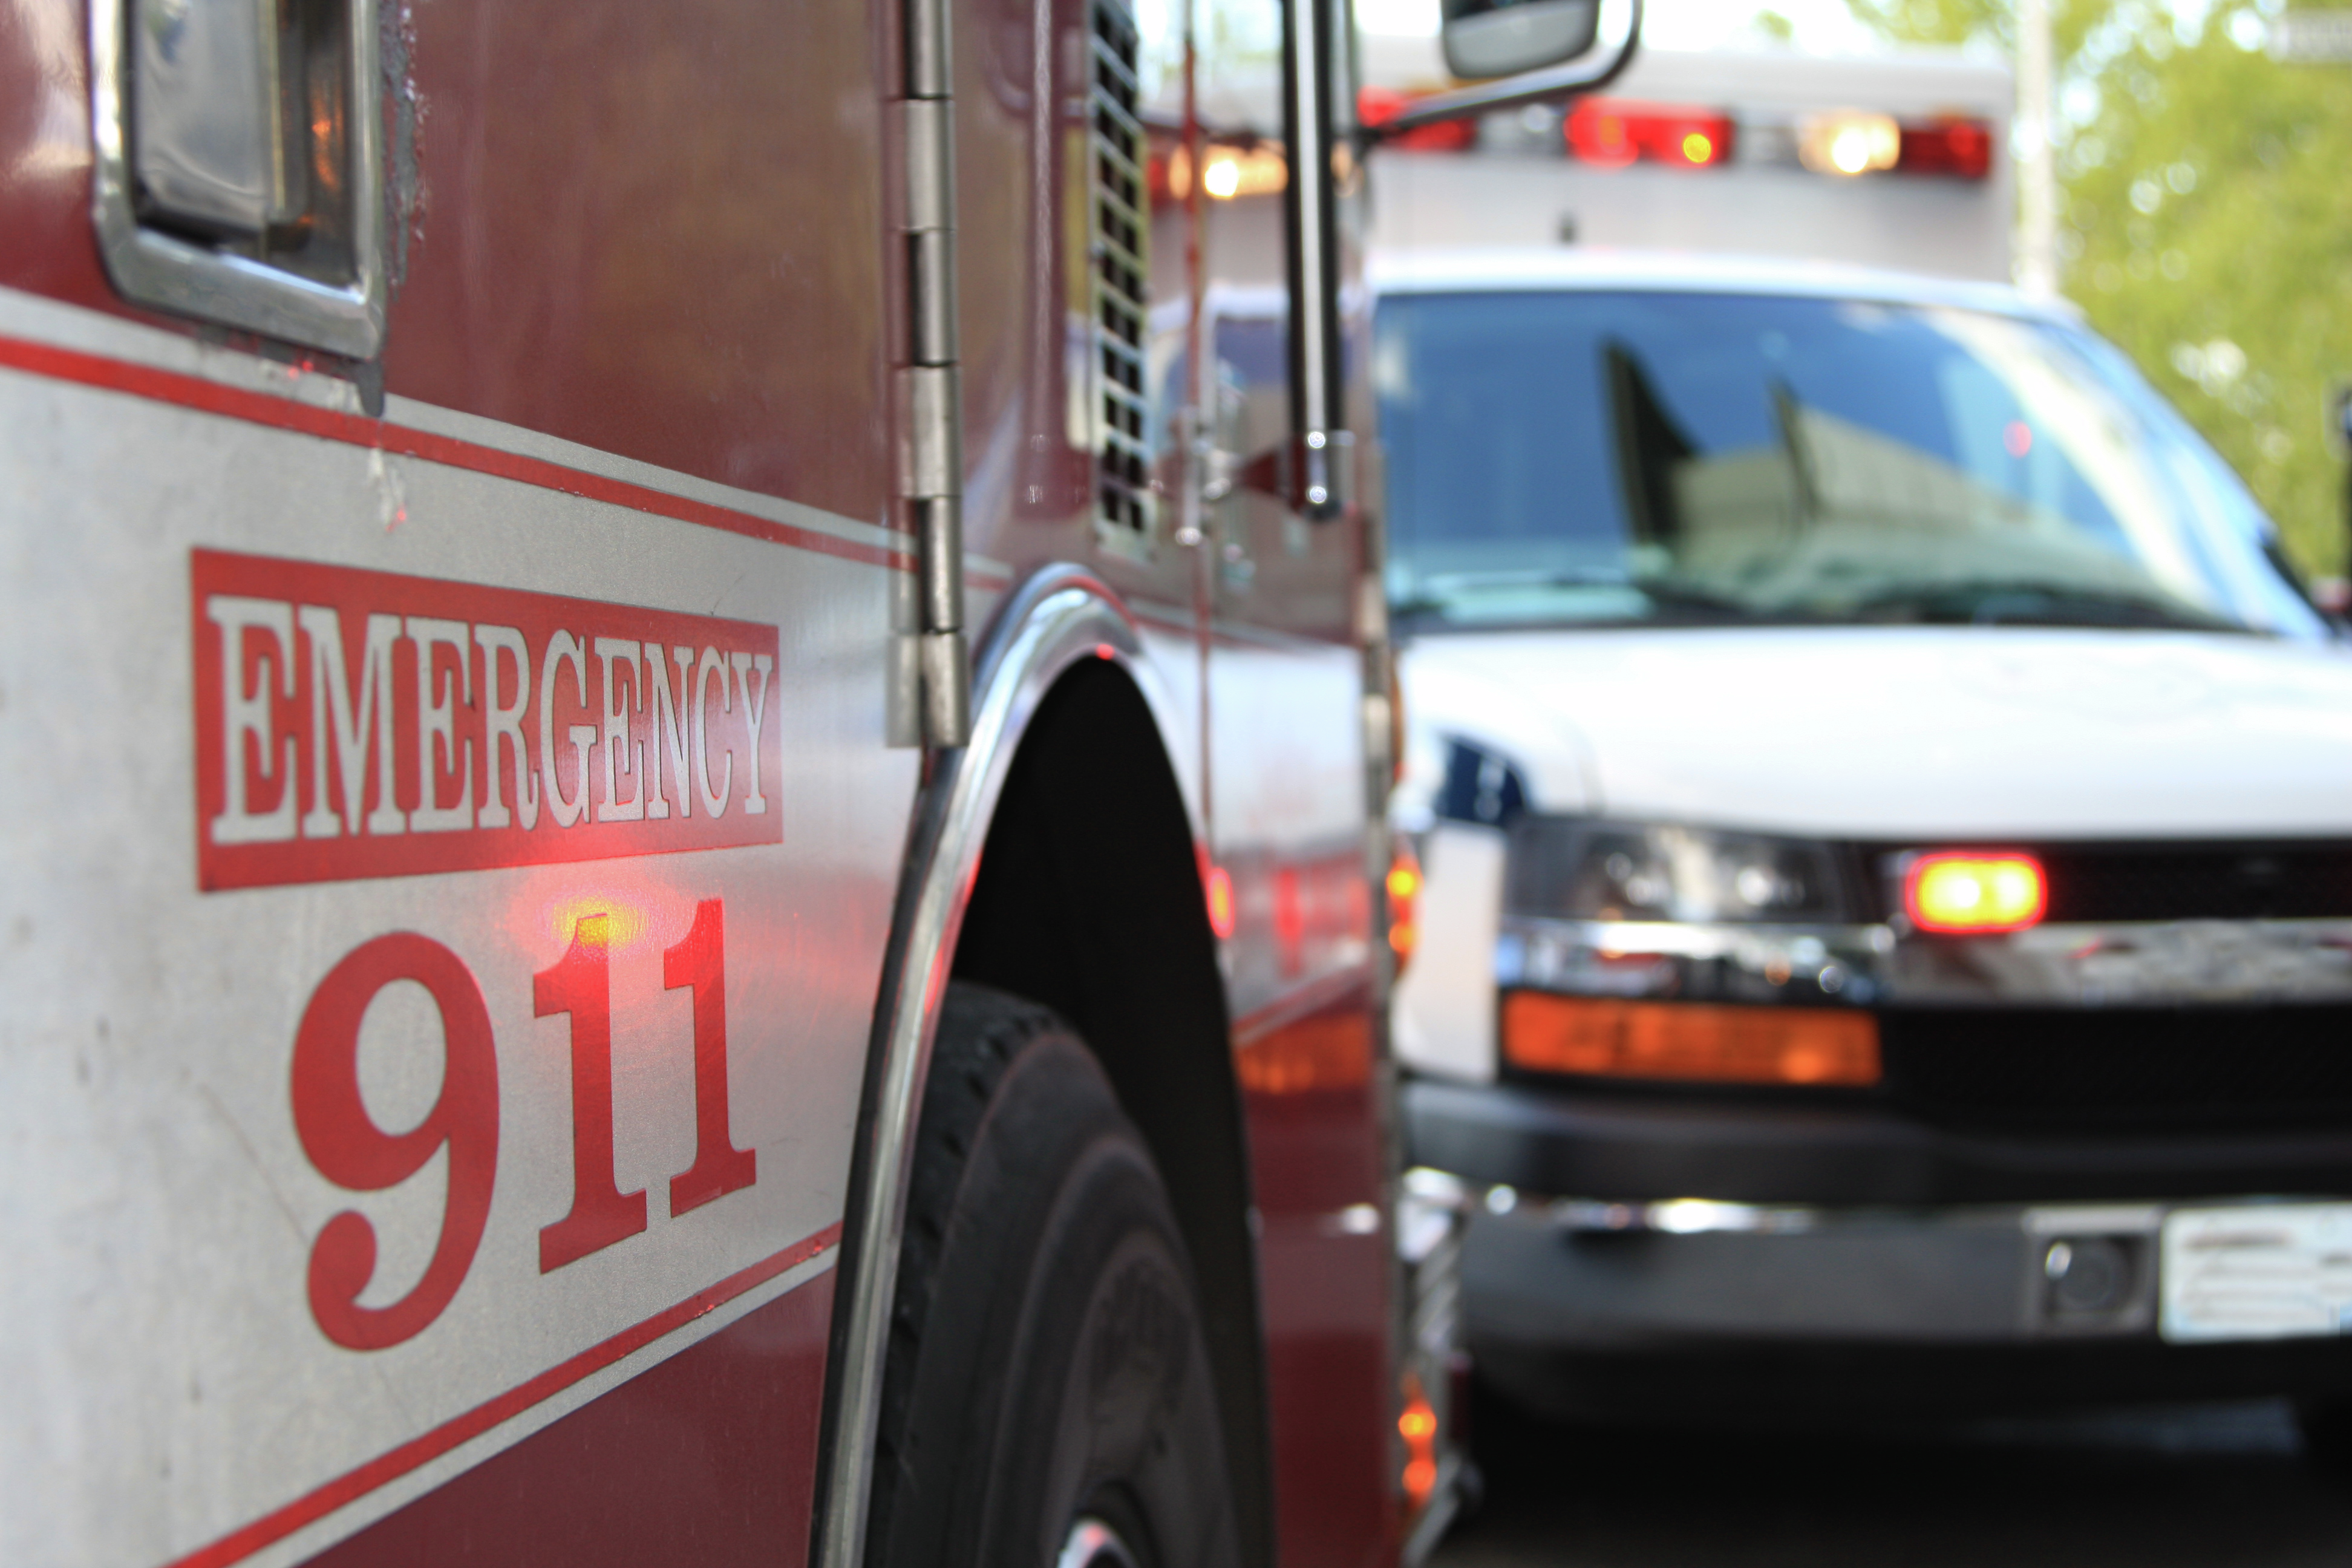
column 1045, row 1370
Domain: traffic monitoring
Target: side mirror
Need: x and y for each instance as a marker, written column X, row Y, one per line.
column 1519, row 52
column 1484, row 38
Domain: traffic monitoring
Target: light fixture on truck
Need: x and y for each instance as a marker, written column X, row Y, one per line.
column 1604, row 1037
column 1404, row 900
column 1975, row 894
column 1579, row 868
column 1961, row 148
column 1849, row 143
column 1614, row 132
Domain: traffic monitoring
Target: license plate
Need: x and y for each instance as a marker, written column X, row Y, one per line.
column 2258, row 1271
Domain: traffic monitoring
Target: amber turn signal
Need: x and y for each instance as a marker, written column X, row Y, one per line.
column 1604, row 1037
column 1417, row 1425
column 1975, row 893
column 1404, row 896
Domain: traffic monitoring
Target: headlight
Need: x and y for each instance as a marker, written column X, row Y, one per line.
column 1566, row 869
column 1722, row 957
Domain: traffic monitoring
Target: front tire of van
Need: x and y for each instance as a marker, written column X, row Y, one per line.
column 1047, row 1396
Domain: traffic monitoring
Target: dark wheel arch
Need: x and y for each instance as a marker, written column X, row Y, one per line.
column 1088, row 900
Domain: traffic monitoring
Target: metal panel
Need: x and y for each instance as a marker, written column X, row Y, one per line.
column 179, row 1391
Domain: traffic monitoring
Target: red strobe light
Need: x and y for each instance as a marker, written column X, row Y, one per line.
column 1960, row 147
column 1613, row 132
column 1975, row 894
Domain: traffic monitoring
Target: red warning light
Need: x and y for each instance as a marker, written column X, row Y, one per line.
column 1975, row 894
column 1961, row 149
column 1613, row 132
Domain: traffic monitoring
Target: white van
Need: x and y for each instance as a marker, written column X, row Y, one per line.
column 1885, row 811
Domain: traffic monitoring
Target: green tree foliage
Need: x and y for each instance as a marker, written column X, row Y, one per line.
column 2205, row 225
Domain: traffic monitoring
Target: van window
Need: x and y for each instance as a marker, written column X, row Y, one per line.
column 1640, row 456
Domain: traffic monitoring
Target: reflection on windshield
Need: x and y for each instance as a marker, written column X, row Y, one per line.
column 1657, row 457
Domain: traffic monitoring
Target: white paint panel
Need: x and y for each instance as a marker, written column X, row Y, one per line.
column 168, row 1383
column 1444, row 1020
column 1962, row 733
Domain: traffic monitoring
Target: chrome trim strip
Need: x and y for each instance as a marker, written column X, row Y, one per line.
column 156, row 269
column 1817, row 965
column 2142, row 964
column 2124, row 964
column 1051, row 621
column 1708, row 1216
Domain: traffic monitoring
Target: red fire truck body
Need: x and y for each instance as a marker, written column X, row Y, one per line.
column 481, row 899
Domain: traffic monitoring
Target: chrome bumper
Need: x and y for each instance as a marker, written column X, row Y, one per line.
column 2144, row 963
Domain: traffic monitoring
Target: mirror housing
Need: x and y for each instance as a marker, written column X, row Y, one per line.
column 1579, row 46
column 1487, row 39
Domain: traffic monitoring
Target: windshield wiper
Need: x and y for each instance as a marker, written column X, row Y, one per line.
column 1995, row 601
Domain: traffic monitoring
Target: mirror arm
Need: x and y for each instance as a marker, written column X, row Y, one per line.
column 1598, row 70
column 1310, row 39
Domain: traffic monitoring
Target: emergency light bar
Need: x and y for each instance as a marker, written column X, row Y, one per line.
column 1613, row 132
column 1616, row 132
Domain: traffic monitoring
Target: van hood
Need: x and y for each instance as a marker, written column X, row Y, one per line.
column 1903, row 731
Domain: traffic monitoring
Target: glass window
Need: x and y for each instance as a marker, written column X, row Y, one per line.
column 1637, row 457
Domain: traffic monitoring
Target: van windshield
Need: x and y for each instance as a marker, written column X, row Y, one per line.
column 1637, row 458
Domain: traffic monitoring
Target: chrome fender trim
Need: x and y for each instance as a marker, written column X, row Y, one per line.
column 1057, row 617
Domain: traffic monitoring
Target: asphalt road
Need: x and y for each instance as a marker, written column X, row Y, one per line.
column 2211, row 1485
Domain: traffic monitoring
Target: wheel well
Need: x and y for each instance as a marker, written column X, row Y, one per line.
column 1088, row 900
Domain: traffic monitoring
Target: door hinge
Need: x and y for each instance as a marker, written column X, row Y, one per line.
column 930, row 400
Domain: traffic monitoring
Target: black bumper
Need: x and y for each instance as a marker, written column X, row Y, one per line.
column 1593, row 1146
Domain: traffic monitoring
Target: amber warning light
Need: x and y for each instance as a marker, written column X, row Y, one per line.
column 1975, row 894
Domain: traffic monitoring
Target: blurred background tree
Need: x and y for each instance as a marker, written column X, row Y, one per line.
column 2205, row 223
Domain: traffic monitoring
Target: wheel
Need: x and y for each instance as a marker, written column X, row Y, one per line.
column 1046, row 1399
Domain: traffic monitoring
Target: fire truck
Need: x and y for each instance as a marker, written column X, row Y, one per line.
column 662, row 909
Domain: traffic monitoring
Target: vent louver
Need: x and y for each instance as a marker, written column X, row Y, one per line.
column 1118, row 249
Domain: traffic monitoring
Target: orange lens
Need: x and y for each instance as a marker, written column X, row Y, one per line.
column 1601, row 1035
column 1417, row 1425
column 1404, row 892
column 1977, row 893
column 1220, row 902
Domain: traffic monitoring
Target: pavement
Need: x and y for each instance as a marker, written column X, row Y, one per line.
column 2209, row 1486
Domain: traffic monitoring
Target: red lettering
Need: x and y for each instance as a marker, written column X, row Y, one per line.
column 351, row 1151
column 699, row 962
column 581, row 985
column 343, row 729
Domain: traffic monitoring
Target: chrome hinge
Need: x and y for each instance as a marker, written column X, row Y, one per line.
column 930, row 400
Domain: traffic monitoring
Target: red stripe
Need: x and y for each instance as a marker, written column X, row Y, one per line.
column 355, row 430
column 387, row 1467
